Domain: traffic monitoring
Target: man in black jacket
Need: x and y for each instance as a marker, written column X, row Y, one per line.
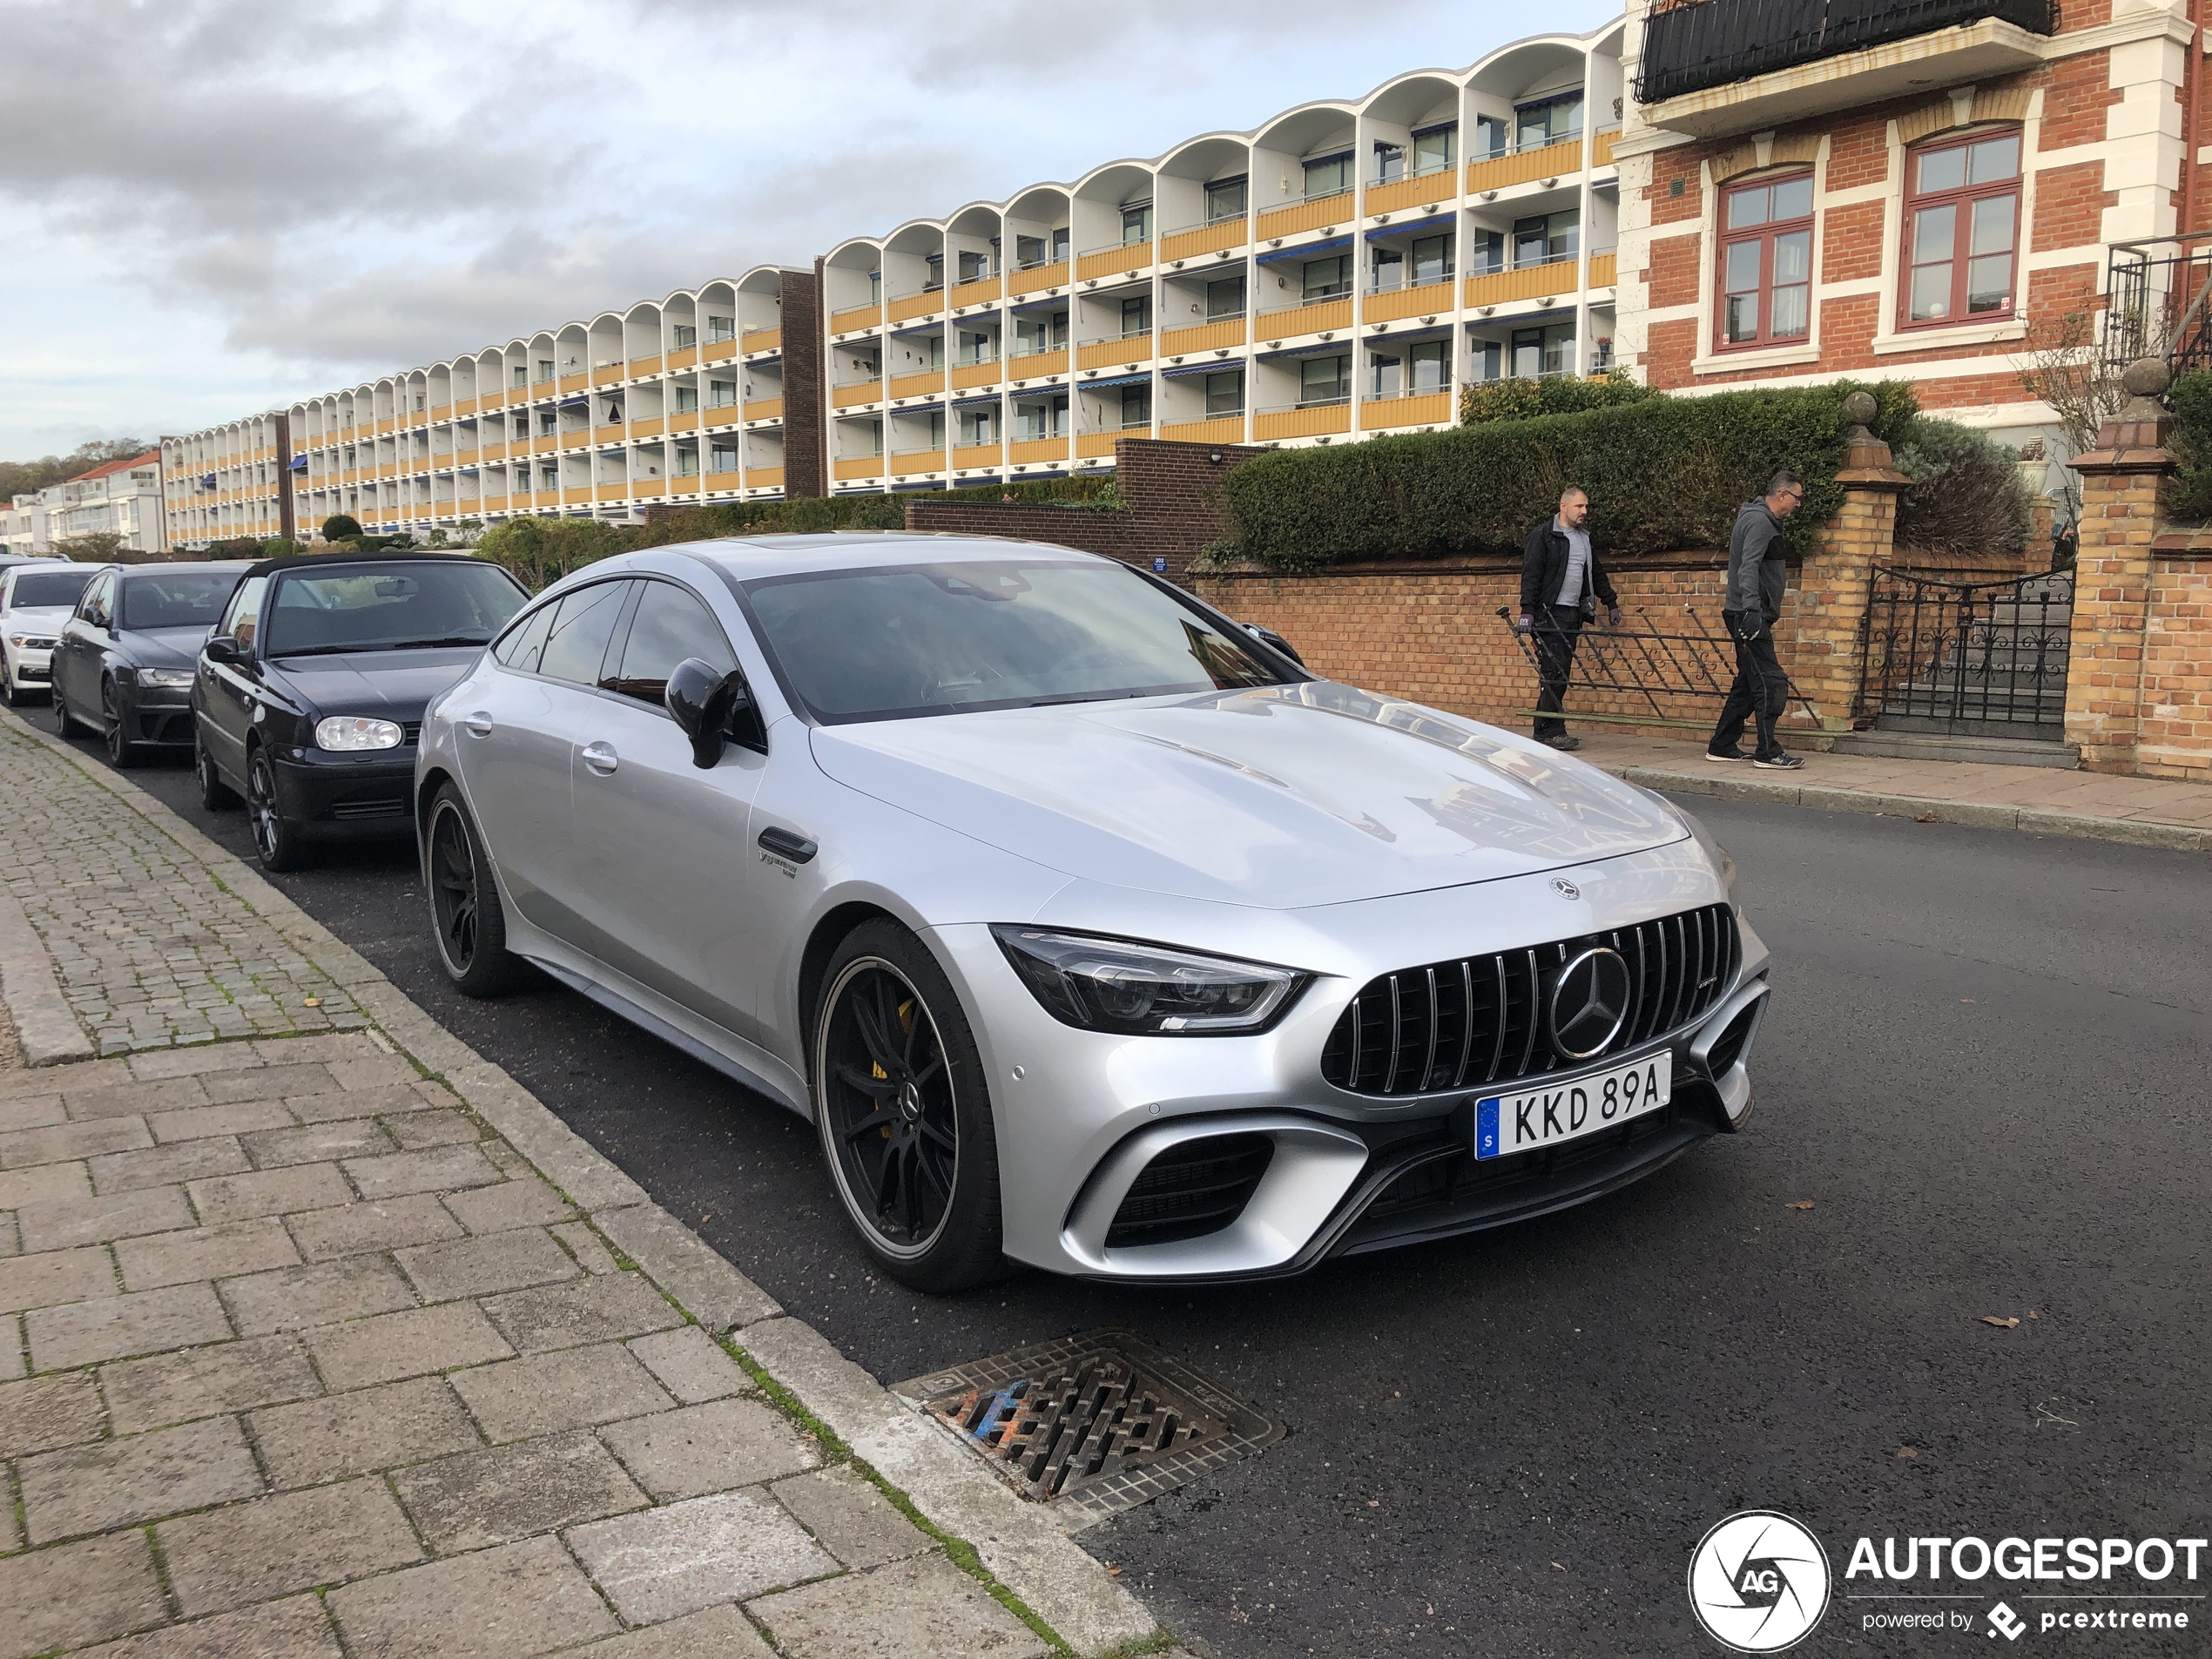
column 1756, row 580
column 1560, row 583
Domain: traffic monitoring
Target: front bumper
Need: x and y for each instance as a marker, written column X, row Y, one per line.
column 28, row 669
column 157, row 715
column 345, row 796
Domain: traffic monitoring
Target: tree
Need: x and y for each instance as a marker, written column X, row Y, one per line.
column 2059, row 362
column 23, row 478
column 342, row 527
column 94, row 547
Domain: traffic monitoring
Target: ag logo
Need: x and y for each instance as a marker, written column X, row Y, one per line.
column 1759, row 1583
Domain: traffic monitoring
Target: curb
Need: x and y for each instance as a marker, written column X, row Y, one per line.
column 1018, row 1545
column 2038, row 821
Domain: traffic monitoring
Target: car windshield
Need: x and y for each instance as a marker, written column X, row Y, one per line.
column 37, row 589
column 393, row 607
column 944, row 638
column 177, row 598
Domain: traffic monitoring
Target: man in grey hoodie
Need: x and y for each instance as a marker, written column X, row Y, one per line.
column 1756, row 580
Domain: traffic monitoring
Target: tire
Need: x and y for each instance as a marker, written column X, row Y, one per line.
column 904, row 1113
column 466, row 917
column 214, row 794
column 276, row 839
column 64, row 726
column 122, row 753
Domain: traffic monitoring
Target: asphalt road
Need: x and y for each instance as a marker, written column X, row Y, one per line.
column 1986, row 1068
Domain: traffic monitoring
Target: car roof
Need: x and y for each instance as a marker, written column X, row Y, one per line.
column 333, row 562
column 747, row 556
column 133, row 571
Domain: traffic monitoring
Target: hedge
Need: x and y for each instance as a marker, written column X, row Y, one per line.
column 2190, row 440
column 1968, row 500
column 1524, row 399
column 1662, row 473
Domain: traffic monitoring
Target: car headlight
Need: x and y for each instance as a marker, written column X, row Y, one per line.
column 343, row 731
column 173, row 679
column 1714, row 850
column 1124, row 986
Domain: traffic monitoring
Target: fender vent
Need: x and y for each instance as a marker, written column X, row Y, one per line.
column 1192, row 1190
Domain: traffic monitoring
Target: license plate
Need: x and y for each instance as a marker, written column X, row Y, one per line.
column 1572, row 1107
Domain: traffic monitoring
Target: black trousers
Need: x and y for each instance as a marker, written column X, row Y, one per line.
column 1557, row 630
column 1760, row 690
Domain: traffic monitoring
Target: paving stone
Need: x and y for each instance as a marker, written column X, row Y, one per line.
column 583, row 1243
column 270, row 1192
column 203, row 1252
column 439, row 1168
column 292, row 1298
column 12, row 1364
column 201, row 1382
column 508, row 1603
column 349, row 1137
column 662, row 1563
column 10, row 1241
column 236, row 1118
column 179, row 1161
column 340, row 1103
column 691, row 1366
column 27, row 1146
column 713, row 1633
column 115, row 1327
column 46, row 1080
column 137, row 1478
column 319, row 1049
column 524, row 1202
column 573, row 1389
column 509, row 1491
column 46, row 1411
column 393, row 1345
column 10, row 1530
column 391, row 1224
column 33, row 1111
column 298, row 1629
column 484, row 1266
column 49, row 1184
column 568, row 1316
column 266, row 1083
column 707, row 1448
column 54, row 1277
column 850, row 1517
column 371, row 1071
column 414, row 1130
column 132, row 1099
column 267, row 1547
column 91, row 1221
column 51, row 1599
column 922, row 1609
column 190, row 1062
column 360, row 1432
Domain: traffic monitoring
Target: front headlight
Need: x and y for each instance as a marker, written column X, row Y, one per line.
column 175, row 679
column 1714, row 850
column 1136, row 990
column 343, row 731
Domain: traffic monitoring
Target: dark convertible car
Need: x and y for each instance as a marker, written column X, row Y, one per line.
column 123, row 663
column 309, row 695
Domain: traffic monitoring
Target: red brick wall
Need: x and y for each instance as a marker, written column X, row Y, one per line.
column 2174, row 734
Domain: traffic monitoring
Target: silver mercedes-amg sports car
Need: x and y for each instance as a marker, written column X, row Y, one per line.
column 1089, row 928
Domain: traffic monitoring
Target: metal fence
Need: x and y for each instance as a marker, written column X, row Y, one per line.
column 1663, row 667
column 2155, row 303
column 1968, row 656
column 1689, row 47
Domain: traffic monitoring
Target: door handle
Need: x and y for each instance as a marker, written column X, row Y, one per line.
column 477, row 724
column 600, row 756
column 787, row 844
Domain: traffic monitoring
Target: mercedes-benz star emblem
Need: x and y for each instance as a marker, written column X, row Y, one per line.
column 1565, row 889
column 1589, row 1003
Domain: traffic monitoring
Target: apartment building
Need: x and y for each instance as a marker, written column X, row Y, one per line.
column 124, row 497
column 228, row 481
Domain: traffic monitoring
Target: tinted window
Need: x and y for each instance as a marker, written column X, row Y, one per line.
column 177, row 598
column 577, row 644
column 97, row 598
column 48, row 588
column 669, row 626
column 389, row 608
column 941, row 638
column 521, row 649
column 243, row 617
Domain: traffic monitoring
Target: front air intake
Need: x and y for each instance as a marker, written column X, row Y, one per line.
column 1192, row 1189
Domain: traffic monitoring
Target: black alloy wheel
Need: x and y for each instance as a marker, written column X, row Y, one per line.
column 904, row 1118
column 276, row 840
column 465, row 912
column 121, row 752
column 64, row 726
column 214, row 794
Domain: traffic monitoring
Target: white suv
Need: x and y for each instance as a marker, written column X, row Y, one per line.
column 35, row 599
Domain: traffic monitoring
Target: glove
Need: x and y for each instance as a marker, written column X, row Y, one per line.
column 1525, row 626
column 1613, row 618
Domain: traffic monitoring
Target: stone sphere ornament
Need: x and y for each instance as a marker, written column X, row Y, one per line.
column 1858, row 409
column 2146, row 377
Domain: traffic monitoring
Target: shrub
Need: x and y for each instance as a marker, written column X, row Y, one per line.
column 1663, row 472
column 1524, row 399
column 278, row 547
column 2190, row 439
column 94, row 547
column 1968, row 502
column 235, row 547
column 342, row 527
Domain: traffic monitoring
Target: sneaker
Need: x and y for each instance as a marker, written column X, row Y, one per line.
column 1777, row 761
column 1726, row 754
column 1563, row 742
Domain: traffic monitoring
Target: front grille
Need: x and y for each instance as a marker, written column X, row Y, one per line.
column 1197, row 1188
column 1482, row 1021
column 411, row 731
column 382, row 807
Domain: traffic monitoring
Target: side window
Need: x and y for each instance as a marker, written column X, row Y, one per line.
column 243, row 619
column 100, row 601
column 669, row 626
column 523, row 645
column 577, row 642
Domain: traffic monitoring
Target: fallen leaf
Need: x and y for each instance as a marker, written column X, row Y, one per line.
column 1968, row 1000
column 1925, row 818
column 2032, row 1313
column 1908, row 1451
column 2002, row 1324
column 1560, row 1568
column 1798, row 1204
column 1113, row 1572
column 315, row 1002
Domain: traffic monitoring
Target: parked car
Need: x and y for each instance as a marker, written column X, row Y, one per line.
column 1089, row 929
column 123, row 661
column 309, row 695
column 35, row 599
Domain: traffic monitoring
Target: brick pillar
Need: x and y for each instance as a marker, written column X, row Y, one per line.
column 806, row 393
column 2124, row 484
column 1836, row 580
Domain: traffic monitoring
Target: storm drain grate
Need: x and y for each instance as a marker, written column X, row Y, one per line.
column 1093, row 1424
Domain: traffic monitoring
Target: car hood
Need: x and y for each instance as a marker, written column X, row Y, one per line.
column 163, row 647
column 396, row 684
column 1283, row 797
column 38, row 619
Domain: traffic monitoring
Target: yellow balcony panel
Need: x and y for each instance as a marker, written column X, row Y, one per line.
column 978, row 454
column 858, row 467
column 545, row 443
column 494, row 503
column 464, row 406
column 1205, row 336
column 859, row 317
column 968, row 375
column 612, row 490
column 764, row 477
column 1602, row 147
column 1424, row 301
column 1301, row 423
column 1323, row 316
column 1430, row 189
column 493, row 451
column 846, row 397
column 1036, row 365
column 1125, row 261
column 576, row 495
column 649, row 487
column 464, row 457
column 1027, row 451
column 918, row 305
column 1228, row 429
column 1605, row 269
column 983, row 292
column 719, row 351
column 764, row 409
column 1307, row 215
column 350, row 475
column 491, row 400
column 918, row 385
column 607, row 374
column 1422, row 409
column 1103, row 354
column 647, row 428
column 641, row 367
column 1038, row 277
column 769, row 338
column 439, row 412
column 573, row 383
column 910, row 466
column 386, row 425
column 1561, row 160
column 1529, row 282
column 386, row 470
column 688, row 358
column 1207, row 239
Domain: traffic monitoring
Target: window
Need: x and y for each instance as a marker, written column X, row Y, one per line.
column 1225, row 393
column 1962, row 229
column 720, row 327
column 523, row 645
column 1060, row 245
column 671, row 627
column 1492, row 137
column 974, row 267
column 933, row 267
column 1432, row 258
column 977, row 425
column 1389, row 162
column 1766, row 262
column 245, row 613
column 1059, row 328
column 687, row 464
column 936, row 351
column 1326, row 279
column 1428, row 366
column 1552, row 120
column 1546, row 237
column 683, row 334
column 1324, row 380
column 875, row 288
column 687, row 400
column 1436, row 148
column 546, row 368
column 174, row 599
column 1028, row 251
column 1136, row 222
column 1060, row 417
column 1225, row 199
column 1327, row 175
column 1543, row 351
column 1486, row 252
column 1136, row 406
column 719, row 395
column 1226, row 298
column 721, row 458
column 1386, row 269
column 1137, row 315
column 576, row 644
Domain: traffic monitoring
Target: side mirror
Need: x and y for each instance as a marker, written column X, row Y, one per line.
column 714, row 709
column 221, row 647
column 1269, row 637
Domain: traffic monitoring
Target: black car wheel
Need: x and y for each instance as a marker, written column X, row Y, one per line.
column 121, row 751
column 64, row 726
column 276, row 839
column 903, row 1113
column 214, row 794
column 465, row 910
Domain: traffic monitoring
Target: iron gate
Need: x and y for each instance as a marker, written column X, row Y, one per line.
column 1985, row 658
column 1663, row 668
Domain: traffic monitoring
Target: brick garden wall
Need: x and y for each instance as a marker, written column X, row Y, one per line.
column 2174, row 736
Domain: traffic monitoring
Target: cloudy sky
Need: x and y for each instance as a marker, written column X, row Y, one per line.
column 214, row 206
